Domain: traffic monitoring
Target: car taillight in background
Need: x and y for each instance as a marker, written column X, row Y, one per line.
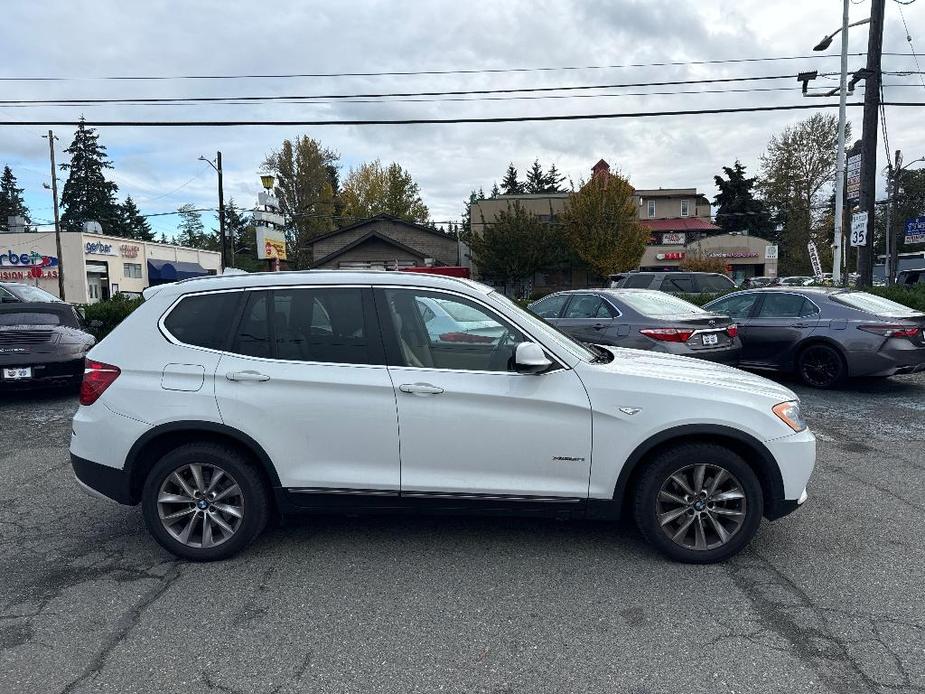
column 97, row 378
column 732, row 330
column 909, row 331
column 668, row 334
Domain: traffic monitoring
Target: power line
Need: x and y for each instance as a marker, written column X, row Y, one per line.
column 909, row 39
column 438, row 121
column 381, row 95
column 410, row 73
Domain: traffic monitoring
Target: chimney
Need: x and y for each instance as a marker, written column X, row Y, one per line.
column 601, row 170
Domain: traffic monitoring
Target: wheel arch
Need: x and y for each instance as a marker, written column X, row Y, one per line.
column 755, row 453
column 156, row 442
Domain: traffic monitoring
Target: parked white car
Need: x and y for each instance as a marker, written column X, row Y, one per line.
column 223, row 400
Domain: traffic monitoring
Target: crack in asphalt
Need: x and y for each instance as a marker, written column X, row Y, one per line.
column 823, row 651
column 128, row 621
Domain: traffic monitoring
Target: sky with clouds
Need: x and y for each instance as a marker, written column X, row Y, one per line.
column 86, row 39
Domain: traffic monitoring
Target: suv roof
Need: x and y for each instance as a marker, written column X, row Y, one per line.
column 334, row 277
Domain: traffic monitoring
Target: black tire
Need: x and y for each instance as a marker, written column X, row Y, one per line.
column 253, row 499
column 678, row 460
column 821, row 366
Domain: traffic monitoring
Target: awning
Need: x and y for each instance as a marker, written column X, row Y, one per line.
column 161, row 271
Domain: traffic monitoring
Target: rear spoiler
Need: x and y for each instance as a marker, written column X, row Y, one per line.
column 148, row 292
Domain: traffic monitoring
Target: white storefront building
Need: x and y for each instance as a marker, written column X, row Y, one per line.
column 97, row 267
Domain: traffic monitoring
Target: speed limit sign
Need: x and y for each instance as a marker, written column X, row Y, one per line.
column 859, row 229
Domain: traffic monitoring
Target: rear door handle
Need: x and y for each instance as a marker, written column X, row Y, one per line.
column 246, row 376
column 599, row 326
column 420, row 389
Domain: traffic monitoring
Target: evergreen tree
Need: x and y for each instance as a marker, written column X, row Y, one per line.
column 466, row 225
column 738, row 208
column 495, row 192
column 191, row 231
column 553, row 181
column 134, row 225
column 163, row 239
column 510, row 185
column 87, row 195
column 11, row 202
column 243, row 235
column 536, row 178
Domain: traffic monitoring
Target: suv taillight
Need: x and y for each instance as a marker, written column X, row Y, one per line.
column 668, row 334
column 97, row 378
column 909, row 331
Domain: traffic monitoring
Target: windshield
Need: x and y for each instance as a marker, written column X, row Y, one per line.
column 654, row 304
column 29, row 293
column 871, row 303
column 529, row 320
column 29, row 318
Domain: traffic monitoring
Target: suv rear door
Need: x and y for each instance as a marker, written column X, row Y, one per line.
column 305, row 377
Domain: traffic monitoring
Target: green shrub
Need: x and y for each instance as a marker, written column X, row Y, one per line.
column 913, row 297
column 102, row 317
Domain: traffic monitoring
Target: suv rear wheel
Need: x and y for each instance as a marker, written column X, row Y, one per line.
column 698, row 503
column 204, row 502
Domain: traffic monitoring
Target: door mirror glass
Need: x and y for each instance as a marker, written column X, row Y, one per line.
column 530, row 358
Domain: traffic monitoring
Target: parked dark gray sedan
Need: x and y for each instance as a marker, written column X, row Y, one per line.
column 642, row 319
column 825, row 334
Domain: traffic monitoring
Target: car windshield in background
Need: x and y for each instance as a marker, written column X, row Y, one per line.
column 29, row 293
column 655, row 304
column 29, row 318
column 875, row 304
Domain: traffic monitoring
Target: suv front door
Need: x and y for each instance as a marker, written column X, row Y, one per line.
column 305, row 377
column 471, row 426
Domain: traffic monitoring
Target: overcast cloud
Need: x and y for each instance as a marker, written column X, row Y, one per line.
column 159, row 167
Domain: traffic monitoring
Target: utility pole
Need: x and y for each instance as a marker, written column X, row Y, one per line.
column 54, row 195
column 892, row 189
column 221, row 209
column 840, row 156
column 869, row 139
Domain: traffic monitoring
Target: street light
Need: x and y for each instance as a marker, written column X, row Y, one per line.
column 840, row 158
column 267, row 181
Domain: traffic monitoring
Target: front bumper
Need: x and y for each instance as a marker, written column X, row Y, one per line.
column 796, row 457
column 102, row 480
column 785, row 507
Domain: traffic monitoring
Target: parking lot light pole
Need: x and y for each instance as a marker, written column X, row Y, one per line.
column 840, row 157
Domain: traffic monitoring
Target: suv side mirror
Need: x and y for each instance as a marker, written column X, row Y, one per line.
column 530, row 358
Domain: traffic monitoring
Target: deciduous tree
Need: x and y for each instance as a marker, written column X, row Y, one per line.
column 374, row 189
column 600, row 225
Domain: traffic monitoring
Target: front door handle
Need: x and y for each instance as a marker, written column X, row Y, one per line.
column 246, row 376
column 420, row 389
column 599, row 326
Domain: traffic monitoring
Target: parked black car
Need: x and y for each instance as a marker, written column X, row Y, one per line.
column 642, row 319
column 12, row 292
column 909, row 278
column 41, row 343
column 674, row 282
column 825, row 334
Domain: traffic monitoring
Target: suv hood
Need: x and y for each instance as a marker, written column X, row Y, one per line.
column 670, row 367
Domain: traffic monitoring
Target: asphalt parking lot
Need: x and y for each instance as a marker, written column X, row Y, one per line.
column 829, row 599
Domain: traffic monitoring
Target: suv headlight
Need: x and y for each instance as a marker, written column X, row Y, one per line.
column 789, row 414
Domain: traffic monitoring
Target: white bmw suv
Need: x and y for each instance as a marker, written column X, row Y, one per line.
column 222, row 401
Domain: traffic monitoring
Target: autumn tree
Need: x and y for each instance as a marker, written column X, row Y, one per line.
column 513, row 246
column 374, row 189
column 796, row 169
column 600, row 225
column 305, row 186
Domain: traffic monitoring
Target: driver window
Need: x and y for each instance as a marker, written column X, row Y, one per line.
column 443, row 331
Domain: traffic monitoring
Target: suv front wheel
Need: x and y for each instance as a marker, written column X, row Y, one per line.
column 698, row 503
column 204, row 502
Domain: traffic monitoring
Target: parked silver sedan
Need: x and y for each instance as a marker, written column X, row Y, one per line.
column 825, row 334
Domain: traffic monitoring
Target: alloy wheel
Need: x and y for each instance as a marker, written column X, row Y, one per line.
column 200, row 505
column 820, row 366
column 701, row 506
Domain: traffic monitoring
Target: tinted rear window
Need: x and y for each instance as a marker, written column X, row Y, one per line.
column 655, row 304
column 203, row 320
column 678, row 283
column 29, row 318
column 714, row 283
column 637, row 281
